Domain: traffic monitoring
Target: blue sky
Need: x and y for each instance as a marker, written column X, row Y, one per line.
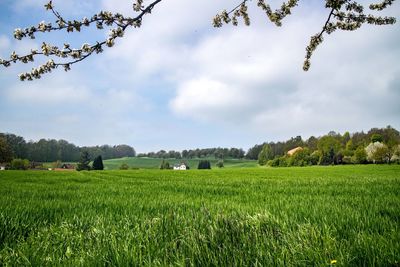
column 178, row 83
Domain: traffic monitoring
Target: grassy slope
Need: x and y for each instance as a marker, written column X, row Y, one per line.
column 152, row 163
column 285, row 216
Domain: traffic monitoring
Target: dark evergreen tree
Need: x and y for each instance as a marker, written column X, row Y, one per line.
column 204, row 164
column 164, row 165
column 98, row 163
column 6, row 153
column 84, row 161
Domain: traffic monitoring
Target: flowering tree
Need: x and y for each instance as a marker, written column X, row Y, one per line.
column 396, row 154
column 345, row 15
column 377, row 152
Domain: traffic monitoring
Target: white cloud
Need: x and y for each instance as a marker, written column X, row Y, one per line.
column 36, row 93
column 350, row 80
column 253, row 76
column 204, row 99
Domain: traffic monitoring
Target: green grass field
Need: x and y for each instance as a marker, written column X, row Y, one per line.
column 154, row 163
column 231, row 217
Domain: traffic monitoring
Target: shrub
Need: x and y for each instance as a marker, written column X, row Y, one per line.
column 56, row 164
column 20, row 164
column 84, row 161
column 347, row 160
column 124, row 166
column 360, row 156
column 300, row 158
column 314, row 157
column 220, row 164
column 396, row 154
column 279, row 162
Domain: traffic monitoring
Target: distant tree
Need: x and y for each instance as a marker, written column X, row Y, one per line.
column 253, row 152
column 329, row 146
column 164, row 165
column 345, row 138
column 185, row 154
column 265, row 155
column 273, row 162
column 377, row 152
column 17, row 144
column 124, row 166
column 6, row 153
column 84, row 161
column 98, row 163
column 20, row 164
column 376, row 138
column 121, row 151
column 396, row 154
column 388, row 136
column 312, row 143
column 204, row 164
column 360, row 139
column 300, row 158
column 314, row 157
column 350, row 145
column 279, row 162
column 293, row 143
column 177, row 155
column 382, row 155
column 391, row 137
column 360, row 156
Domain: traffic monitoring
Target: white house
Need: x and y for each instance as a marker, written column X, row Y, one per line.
column 180, row 167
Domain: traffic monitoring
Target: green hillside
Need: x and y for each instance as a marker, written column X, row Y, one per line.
column 154, row 163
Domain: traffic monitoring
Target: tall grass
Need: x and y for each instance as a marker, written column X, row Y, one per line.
column 233, row 217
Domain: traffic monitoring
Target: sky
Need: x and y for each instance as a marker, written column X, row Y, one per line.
column 178, row 83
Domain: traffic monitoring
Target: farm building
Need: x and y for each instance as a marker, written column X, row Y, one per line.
column 180, row 167
column 66, row 167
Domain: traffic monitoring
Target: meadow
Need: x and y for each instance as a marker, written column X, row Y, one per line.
column 313, row 216
column 154, row 163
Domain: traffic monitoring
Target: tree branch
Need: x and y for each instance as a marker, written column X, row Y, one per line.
column 76, row 55
column 345, row 15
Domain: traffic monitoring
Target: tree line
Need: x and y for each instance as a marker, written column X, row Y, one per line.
column 50, row 150
column 217, row 153
column 378, row 145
